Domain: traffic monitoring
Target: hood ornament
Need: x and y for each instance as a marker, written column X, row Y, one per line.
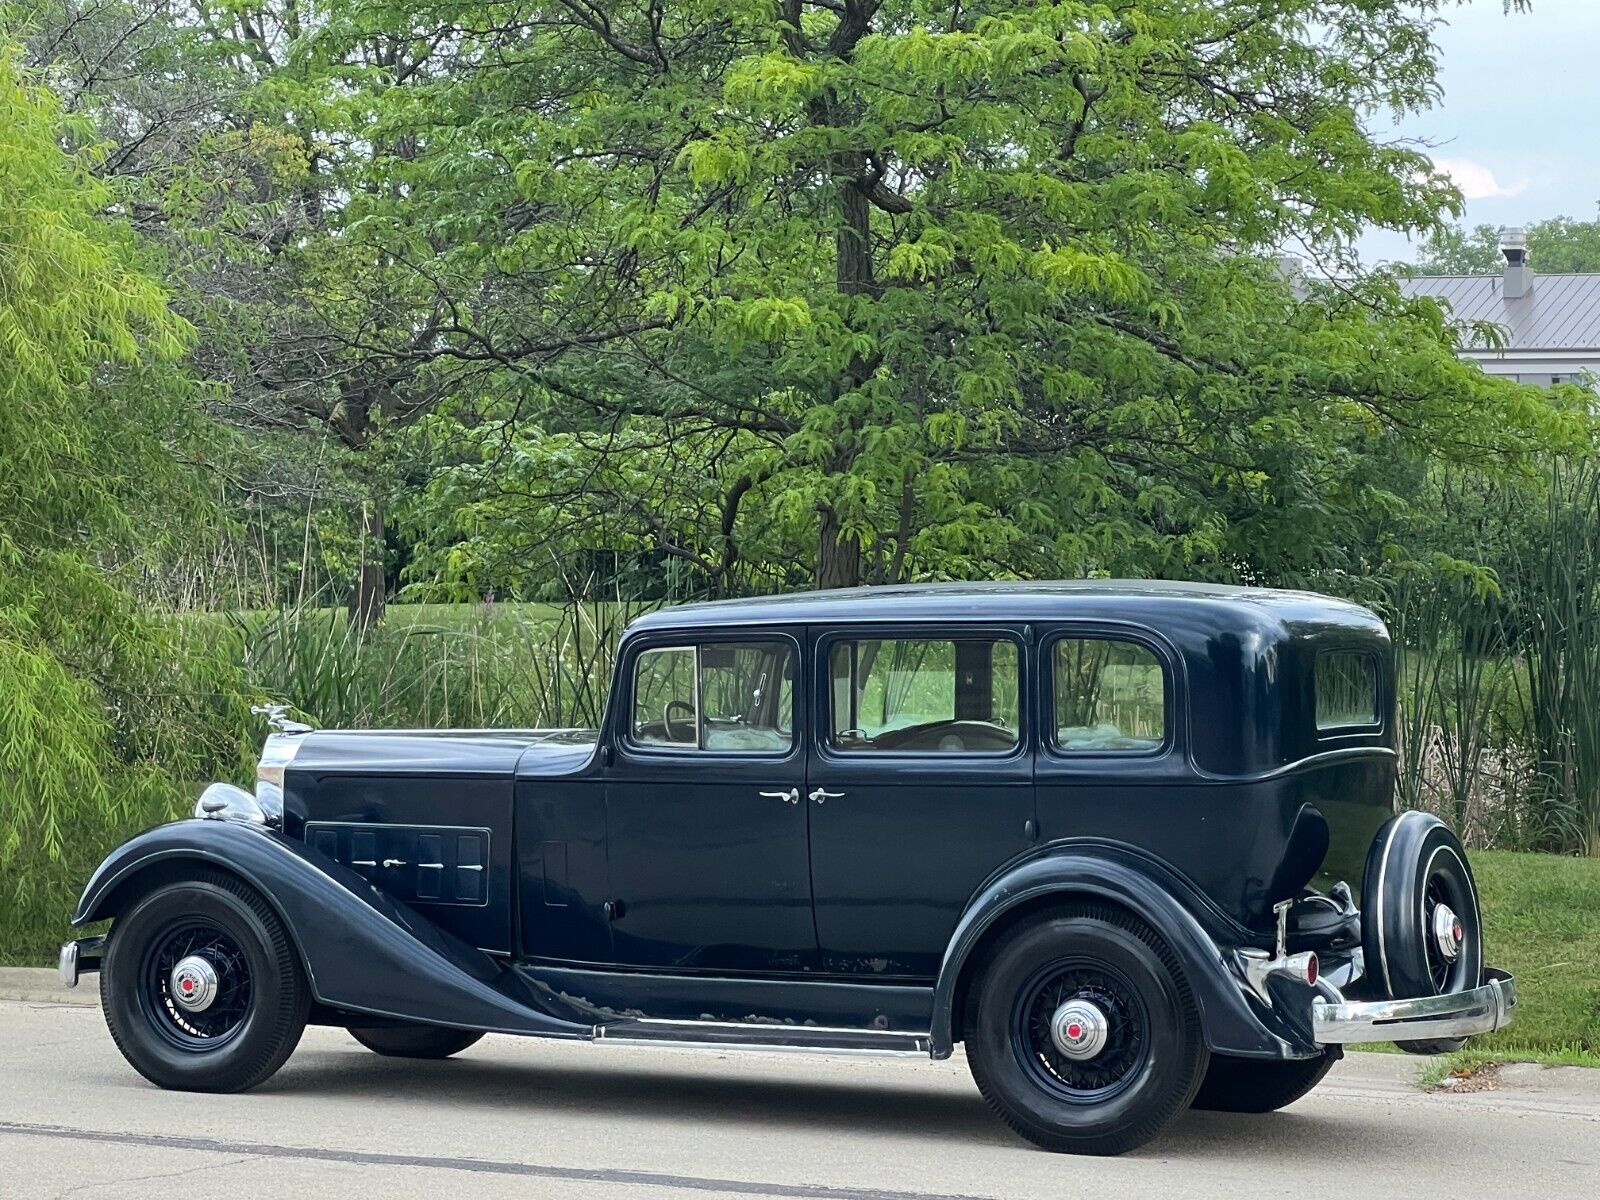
column 277, row 717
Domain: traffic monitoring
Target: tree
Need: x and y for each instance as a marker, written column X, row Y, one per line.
column 96, row 421
column 221, row 175
column 834, row 289
column 957, row 290
column 1556, row 246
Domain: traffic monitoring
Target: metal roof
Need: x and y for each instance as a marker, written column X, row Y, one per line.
column 1561, row 312
column 1011, row 601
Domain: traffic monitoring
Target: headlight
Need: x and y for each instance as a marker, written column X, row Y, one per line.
column 224, row 802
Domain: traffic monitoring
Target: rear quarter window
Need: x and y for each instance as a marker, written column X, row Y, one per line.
column 1346, row 683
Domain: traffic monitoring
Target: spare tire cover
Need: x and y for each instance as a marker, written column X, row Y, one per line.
column 1421, row 931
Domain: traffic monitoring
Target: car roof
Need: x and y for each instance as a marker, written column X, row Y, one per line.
column 1143, row 600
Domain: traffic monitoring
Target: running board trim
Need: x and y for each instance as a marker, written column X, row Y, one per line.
column 790, row 1039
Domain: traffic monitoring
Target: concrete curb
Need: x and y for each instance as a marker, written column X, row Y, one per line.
column 43, row 985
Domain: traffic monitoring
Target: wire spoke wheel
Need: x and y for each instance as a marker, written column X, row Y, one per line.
column 1086, row 1038
column 195, row 985
column 1442, row 932
column 1082, row 1030
column 201, row 987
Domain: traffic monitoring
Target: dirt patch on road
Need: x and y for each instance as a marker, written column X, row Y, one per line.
column 1482, row 1077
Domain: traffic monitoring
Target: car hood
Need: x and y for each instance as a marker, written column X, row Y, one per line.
column 526, row 753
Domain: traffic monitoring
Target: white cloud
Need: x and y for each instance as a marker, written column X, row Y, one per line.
column 1476, row 181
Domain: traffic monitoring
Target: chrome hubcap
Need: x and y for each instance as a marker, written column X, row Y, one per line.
column 194, row 983
column 1079, row 1030
column 1447, row 932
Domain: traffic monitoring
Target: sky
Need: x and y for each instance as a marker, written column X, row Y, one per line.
column 1519, row 126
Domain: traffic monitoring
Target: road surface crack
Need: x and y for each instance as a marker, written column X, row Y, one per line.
column 77, row 1188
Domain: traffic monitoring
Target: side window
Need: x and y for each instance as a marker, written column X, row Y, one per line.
column 1346, row 683
column 1109, row 695
column 666, row 708
column 924, row 694
column 723, row 696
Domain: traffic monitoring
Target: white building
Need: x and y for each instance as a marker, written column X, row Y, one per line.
column 1550, row 324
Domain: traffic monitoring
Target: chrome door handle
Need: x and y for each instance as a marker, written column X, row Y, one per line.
column 792, row 796
column 822, row 794
column 394, row 862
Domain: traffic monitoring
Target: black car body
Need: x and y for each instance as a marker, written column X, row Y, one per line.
column 1134, row 843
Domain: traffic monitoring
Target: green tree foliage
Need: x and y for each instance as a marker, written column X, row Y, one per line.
column 101, row 711
column 1556, row 246
column 822, row 289
column 929, row 288
column 226, row 188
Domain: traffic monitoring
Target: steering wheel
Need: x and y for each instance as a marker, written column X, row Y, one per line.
column 949, row 736
column 666, row 720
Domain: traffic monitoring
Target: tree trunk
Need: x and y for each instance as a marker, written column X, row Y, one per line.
column 838, row 554
column 839, row 562
column 368, row 598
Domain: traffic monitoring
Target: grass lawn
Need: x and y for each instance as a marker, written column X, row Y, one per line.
column 1542, row 923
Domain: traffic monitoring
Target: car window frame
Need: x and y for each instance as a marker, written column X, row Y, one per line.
column 1048, row 739
column 826, row 638
column 690, row 639
column 1329, row 733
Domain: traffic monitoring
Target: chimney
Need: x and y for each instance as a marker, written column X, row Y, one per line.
column 1518, row 274
column 1293, row 270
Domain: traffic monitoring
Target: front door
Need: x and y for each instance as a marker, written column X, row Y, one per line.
column 920, row 784
column 705, row 809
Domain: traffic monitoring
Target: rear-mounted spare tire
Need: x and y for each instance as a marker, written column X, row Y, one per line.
column 1421, row 930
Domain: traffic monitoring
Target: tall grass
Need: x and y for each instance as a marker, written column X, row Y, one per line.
column 1499, row 686
column 1561, row 635
column 1462, row 756
column 526, row 666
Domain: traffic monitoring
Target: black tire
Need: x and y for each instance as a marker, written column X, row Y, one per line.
column 1415, row 865
column 1244, row 1085
column 1144, row 1072
column 261, row 999
column 414, row 1041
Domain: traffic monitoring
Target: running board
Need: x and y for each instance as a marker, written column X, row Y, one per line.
column 733, row 1035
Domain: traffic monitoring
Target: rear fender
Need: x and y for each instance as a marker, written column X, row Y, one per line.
column 1200, row 935
column 362, row 950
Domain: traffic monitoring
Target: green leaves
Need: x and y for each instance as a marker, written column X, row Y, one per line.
column 93, row 413
column 977, row 290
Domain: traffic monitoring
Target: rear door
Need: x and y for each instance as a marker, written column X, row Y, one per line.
column 706, row 817
column 920, row 784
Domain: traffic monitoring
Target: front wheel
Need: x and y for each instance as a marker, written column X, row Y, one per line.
column 414, row 1041
column 201, row 988
column 1086, row 1038
column 1245, row 1085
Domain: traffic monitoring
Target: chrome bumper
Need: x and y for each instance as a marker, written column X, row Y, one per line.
column 77, row 957
column 1460, row 1014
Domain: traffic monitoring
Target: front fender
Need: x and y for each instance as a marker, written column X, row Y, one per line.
column 1198, row 933
column 362, row 950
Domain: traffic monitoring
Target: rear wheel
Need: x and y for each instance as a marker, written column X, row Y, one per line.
column 414, row 1041
column 1244, row 1085
column 201, row 988
column 1086, row 1039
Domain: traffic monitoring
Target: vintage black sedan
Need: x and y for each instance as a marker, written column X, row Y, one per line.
column 1133, row 844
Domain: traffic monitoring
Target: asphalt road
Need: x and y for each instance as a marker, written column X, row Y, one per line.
column 513, row 1117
